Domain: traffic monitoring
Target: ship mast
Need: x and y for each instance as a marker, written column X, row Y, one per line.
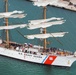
column 44, row 30
column 59, row 21
column 44, row 17
column 6, row 23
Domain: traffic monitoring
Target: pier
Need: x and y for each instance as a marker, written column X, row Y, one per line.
column 65, row 4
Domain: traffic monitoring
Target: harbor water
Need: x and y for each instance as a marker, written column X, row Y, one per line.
column 10, row 66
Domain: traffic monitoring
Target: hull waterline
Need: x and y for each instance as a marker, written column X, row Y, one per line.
column 55, row 60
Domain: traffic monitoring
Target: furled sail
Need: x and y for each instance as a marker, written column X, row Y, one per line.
column 14, row 16
column 47, row 35
column 44, row 25
column 11, row 14
column 44, row 20
column 13, row 26
column 18, row 16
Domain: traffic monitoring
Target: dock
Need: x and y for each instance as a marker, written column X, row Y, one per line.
column 65, row 4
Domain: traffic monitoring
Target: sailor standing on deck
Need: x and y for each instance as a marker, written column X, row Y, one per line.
column 30, row 45
column 75, row 53
column 17, row 48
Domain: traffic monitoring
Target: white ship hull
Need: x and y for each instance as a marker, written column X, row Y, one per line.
column 30, row 52
column 41, row 59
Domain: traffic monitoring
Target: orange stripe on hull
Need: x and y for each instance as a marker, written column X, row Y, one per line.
column 50, row 60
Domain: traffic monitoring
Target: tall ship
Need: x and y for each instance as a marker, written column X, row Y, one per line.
column 30, row 52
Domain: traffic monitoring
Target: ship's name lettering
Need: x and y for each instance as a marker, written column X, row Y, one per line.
column 38, row 56
column 28, row 55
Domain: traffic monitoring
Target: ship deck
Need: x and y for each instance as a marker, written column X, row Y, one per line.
column 34, row 49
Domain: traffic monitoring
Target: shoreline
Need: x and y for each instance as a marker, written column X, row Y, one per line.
column 64, row 4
